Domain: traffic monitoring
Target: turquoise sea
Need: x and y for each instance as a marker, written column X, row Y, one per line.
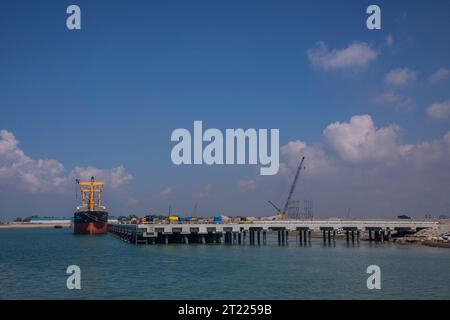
column 33, row 265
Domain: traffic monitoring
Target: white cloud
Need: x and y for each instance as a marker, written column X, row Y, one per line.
column 165, row 193
column 402, row 104
column 400, row 76
column 359, row 140
column 388, row 97
column 427, row 153
column 389, row 40
column 439, row 75
column 46, row 175
column 20, row 171
column 115, row 177
column 406, row 105
column 204, row 192
column 317, row 162
column 387, row 187
column 439, row 110
column 356, row 55
column 247, row 184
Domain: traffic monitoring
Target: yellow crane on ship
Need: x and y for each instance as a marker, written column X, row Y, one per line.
column 88, row 191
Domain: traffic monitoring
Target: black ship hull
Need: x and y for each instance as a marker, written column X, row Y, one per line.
column 90, row 222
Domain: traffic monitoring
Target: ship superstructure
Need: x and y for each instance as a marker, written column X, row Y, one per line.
column 91, row 217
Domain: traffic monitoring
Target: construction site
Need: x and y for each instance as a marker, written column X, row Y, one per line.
column 288, row 222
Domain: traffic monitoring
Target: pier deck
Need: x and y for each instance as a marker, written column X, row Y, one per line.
column 256, row 232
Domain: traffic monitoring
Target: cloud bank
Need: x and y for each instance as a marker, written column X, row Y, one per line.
column 439, row 110
column 367, row 168
column 355, row 55
column 400, row 77
column 38, row 176
column 440, row 75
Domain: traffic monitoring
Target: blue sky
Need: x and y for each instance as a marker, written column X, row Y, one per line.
column 110, row 95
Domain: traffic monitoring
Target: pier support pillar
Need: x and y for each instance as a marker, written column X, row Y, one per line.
column 287, row 236
column 324, row 236
column 309, row 235
column 347, row 235
column 358, row 235
column 279, row 236
column 353, row 236
column 370, row 235
column 329, row 236
column 259, row 237
column 264, row 237
column 334, row 235
column 282, row 237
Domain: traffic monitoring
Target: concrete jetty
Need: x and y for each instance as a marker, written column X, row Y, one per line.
column 256, row 232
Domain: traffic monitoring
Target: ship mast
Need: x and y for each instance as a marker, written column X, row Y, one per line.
column 88, row 190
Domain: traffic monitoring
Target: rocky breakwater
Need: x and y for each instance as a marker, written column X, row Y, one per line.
column 439, row 237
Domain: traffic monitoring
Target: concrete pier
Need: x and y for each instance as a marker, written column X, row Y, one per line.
column 379, row 231
column 304, row 235
column 375, row 233
column 350, row 231
column 327, row 231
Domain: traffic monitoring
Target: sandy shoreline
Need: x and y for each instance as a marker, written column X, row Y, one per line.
column 33, row 225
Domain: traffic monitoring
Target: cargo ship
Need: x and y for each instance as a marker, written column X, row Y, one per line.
column 91, row 217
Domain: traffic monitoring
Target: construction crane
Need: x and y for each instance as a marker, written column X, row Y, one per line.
column 282, row 214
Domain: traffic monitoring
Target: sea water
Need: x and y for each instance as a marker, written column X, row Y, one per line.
column 33, row 264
